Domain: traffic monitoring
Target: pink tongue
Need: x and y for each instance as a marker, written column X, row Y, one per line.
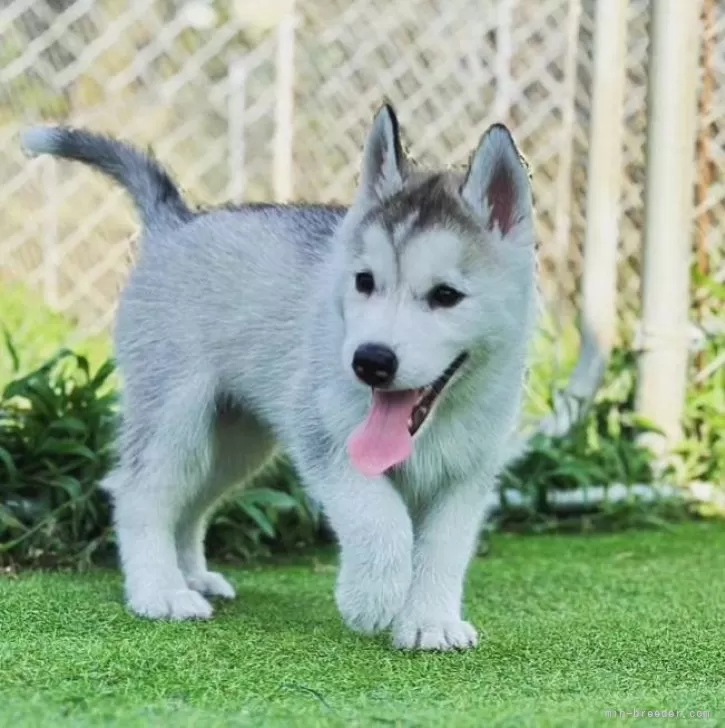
column 383, row 439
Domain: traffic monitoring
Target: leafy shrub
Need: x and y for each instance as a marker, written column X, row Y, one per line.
column 601, row 449
column 56, row 425
column 271, row 515
column 701, row 456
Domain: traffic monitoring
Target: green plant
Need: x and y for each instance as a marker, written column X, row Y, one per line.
column 701, row 456
column 601, row 449
column 273, row 514
column 56, row 425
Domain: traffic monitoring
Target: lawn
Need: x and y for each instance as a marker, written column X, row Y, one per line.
column 574, row 626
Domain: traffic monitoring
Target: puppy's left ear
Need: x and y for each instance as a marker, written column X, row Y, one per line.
column 497, row 184
column 384, row 163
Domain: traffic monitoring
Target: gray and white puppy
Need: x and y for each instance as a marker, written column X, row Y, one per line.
column 383, row 346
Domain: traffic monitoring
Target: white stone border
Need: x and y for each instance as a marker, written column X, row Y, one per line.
column 584, row 499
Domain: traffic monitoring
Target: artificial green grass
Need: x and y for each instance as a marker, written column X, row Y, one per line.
column 573, row 626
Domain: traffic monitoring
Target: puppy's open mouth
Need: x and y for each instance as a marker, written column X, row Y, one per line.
column 429, row 394
column 385, row 438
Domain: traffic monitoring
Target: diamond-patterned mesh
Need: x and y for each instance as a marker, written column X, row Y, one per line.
column 202, row 82
column 710, row 210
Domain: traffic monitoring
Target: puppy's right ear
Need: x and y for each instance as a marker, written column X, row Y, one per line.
column 384, row 163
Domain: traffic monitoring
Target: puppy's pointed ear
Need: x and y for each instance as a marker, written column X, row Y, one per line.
column 497, row 184
column 384, row 163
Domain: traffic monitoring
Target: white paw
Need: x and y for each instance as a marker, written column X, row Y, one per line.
column 450, row 634
column 367, row 605
column 211, row 584
column 177, row 605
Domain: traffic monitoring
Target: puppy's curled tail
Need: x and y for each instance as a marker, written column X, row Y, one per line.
column 154, row 193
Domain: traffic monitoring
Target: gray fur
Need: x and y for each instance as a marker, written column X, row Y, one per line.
column 235, row 334
column 152, row 190
column 427, row 201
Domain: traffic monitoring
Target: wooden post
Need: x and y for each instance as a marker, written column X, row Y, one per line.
column 671, row 132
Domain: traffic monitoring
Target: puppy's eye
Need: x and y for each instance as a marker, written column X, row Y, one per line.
column 444, row 297
column 364, row 282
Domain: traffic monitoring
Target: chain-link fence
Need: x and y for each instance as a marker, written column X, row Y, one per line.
column 251, row 101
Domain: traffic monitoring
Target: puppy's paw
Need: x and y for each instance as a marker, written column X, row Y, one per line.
column 369, row 605
column 211, row 584
column 439, row 634
column 176, row 605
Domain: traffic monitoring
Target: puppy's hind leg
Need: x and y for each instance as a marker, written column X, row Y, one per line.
column 162, row 469
column 190, row 536
column 240, row 447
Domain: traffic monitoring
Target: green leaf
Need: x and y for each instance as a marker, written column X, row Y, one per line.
column 37, row 391
column 258, row 516
column 268, row 497
column 640, row 423
column 614, row 423
column 105, row 371
column 82, row 363
column 69, row 425
column 9, row 520
column 70, row 485
column 106, row 402
column 574, row 471
column 53, row 446
column 12, row 351
column 7, row 460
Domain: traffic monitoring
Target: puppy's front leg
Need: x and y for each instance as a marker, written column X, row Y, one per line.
column 444, row 544
column 375, row 534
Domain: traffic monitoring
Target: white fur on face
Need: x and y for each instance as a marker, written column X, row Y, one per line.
column 494, row 280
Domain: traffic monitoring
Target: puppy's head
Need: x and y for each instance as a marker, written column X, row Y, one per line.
column 438, row 266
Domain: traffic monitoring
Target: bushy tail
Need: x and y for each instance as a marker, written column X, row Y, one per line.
column 152, row 190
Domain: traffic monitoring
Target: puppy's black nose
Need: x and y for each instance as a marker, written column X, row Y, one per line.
column 375, row 364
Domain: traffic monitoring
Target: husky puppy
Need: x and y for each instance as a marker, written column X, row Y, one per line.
column 382, row 346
